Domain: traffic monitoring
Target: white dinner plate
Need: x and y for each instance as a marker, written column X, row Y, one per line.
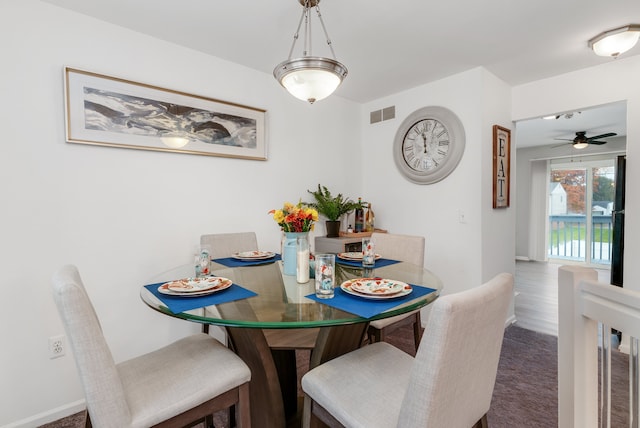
column 354, row 256
column 376, row 288
column 192, row 287
column 253, row 255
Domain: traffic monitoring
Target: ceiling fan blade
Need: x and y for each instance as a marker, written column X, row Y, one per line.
column 561, row 145
column 597, row 143
column 562, row 139
column 610, row 134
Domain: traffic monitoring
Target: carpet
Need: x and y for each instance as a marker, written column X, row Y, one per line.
column 526, row 389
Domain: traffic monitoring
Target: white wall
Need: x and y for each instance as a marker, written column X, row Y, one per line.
column 498, row 225
column 615, row 80
column 454, row 251
column 124, row 215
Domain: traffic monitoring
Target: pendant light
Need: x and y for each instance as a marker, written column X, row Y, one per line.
column 616, row 41
column 310, row 78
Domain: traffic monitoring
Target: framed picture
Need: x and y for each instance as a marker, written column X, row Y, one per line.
column 501, row 166
column 109, row 111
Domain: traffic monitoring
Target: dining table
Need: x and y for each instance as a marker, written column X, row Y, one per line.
column 262, row 299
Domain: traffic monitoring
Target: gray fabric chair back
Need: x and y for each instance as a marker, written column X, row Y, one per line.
column 98, row 373
column 456, row 364
column 406, row 248
column 225, row 244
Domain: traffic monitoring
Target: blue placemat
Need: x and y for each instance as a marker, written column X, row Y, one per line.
column 177, row 304
column 367, row 308
column 358, row 263
column 232, row 262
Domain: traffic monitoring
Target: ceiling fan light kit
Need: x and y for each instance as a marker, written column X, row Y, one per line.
column 580, row 145
column 581, row 140
column 310, row 78
column 615, row 42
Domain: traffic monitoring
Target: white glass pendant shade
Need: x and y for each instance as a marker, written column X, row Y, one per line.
column 615, row 42
column 580, row 145
column 310, row 78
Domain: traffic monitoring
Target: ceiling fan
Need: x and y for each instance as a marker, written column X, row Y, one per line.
column 581, row 140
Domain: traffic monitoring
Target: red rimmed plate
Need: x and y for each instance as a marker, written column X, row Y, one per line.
column 376, row 288
column 192, row 287
column 253, row 255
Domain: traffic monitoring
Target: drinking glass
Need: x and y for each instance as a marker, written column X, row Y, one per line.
column 368, row 253
column 325, row 275
column 202, row 261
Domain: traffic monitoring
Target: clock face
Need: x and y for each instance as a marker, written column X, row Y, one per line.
column 426, row 145
column 429, row 145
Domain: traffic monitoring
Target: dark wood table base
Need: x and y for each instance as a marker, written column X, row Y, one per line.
column 273, row 387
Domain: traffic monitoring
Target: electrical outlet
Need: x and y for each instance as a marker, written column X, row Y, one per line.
column 56, row 346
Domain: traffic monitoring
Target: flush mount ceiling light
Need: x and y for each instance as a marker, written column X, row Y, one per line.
column 310, row 78
column 616, row 41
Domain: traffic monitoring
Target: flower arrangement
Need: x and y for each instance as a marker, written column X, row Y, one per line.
column 295, row 218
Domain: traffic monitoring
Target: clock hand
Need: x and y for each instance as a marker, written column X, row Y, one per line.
column 424, row 138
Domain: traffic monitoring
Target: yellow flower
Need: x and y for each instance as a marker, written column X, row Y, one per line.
column 278, row 216
column 295, row 218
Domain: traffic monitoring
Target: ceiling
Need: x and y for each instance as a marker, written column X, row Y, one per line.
column 595, row 121
column 390, row 46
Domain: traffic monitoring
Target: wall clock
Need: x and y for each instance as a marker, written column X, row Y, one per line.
column 429, row 145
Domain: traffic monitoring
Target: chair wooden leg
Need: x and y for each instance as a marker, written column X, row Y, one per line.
column 374, row 335
column 417, row 330
column 482, row 422
column 208, row 421
column 243, row 408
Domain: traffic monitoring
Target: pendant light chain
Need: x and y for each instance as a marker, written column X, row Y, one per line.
column 295, row 36
column 326, row 35
column 307, row 32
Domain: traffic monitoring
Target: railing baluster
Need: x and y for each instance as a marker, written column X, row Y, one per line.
column 566, row 229
column 634, row 399
column 605, row 377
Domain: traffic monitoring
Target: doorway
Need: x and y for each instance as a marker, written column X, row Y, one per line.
column 546, row 143
column 581, row 202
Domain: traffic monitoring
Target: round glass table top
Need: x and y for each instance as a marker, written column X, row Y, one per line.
column 280, row 301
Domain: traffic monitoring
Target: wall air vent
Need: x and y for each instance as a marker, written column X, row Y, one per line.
column 383, row 114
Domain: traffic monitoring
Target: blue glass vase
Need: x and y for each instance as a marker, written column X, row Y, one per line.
column 289, row 259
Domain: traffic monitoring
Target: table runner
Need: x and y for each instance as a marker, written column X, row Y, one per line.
column 233, row 262
column 367, row 308
column 358, row 263
column 177, row 304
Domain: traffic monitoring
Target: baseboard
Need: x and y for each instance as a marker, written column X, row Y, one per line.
column 510, row 321
column 523, row 258
column 49, row 416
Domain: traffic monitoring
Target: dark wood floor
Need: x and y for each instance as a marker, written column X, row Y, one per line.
column 536, row 300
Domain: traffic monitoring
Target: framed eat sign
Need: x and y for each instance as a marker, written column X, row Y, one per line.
column 501, row 166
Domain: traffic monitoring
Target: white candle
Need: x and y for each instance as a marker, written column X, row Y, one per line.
column 302, row 266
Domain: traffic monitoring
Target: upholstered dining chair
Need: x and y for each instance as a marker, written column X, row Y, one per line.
column 225, row 244
column 181, row 383
column 448, row 384
column 406, row 248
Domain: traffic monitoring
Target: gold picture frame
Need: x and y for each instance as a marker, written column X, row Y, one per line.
column 501, row 166
column 109, row 111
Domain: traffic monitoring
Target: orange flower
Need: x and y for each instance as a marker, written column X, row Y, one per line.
column 295, row 218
